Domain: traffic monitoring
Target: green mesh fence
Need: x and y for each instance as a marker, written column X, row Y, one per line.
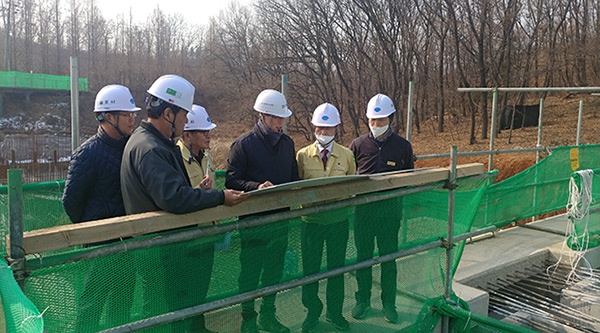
column 96, row 294
column 540, row 189
column 39, row 81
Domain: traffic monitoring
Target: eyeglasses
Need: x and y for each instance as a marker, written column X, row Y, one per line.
column 129, row 115
column 204, row 133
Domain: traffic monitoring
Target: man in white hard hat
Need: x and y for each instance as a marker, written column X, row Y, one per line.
column 93, row 192
column 153, row 177
column 195, row 150
column 324, row 158
column 381, row 150
column 257, row 159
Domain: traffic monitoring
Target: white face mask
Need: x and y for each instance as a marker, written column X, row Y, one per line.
column 324, row 140
column 378, row 131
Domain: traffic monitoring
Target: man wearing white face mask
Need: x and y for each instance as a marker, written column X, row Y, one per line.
column 380, row 150
column 324, row 158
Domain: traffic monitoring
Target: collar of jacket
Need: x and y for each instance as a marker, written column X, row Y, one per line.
column 110, row 140
column 153, row 130
column 187, row 154
column 268, row 134
column 381, row 142
column 314, row 150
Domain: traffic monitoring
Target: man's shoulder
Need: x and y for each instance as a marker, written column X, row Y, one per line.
column 250, row 135
column 89, row 148
column 308, row 150
column 359, row 140
column 341, row 150
column 397, row 138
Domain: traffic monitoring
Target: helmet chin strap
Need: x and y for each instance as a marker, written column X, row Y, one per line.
column 116, row 127
column 172, row 125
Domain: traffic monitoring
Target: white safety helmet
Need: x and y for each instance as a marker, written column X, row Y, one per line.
column 380, row 106
column 114, row 97
column 198, row 120
column 326, row 115
column 175, row 90
column 273, row 103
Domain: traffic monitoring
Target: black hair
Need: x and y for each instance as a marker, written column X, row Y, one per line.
column 156, row 106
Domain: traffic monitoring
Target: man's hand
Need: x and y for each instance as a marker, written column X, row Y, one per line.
column 265, row 184
column 206, row 183
column 233, row 197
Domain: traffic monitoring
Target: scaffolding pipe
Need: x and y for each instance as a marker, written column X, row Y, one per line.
column 579, row 120
column 533, row 89
column 487, row 152
column 74, row 104
column 284, row 91
column 450, row 235
column 233, row 300
column 15, row 218
column 493, row 127
column 539, row 138
column 409, row 108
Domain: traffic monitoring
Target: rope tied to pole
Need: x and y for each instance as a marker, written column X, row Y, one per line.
column 577, row 236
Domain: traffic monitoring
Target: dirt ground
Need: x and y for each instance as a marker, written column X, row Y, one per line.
column 559, row 129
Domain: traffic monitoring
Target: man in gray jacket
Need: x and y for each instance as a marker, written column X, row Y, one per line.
column 153, row 177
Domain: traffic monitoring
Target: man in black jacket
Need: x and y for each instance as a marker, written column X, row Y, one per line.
column 261, row 158
column 153, row 177
column 381, row 150
column 93, row 192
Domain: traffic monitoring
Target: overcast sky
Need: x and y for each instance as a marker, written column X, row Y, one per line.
column 194, row 11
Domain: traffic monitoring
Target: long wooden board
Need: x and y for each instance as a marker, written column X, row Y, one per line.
column 131, row 225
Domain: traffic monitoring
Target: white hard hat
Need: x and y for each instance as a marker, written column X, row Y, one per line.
column 198, row 120
column 175, row 90
column 326, row 115
column 380, row 106
column 114, row 97
column 273, row 103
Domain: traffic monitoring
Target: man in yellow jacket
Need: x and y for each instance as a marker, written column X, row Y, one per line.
column 324, row 158
column 194, row 145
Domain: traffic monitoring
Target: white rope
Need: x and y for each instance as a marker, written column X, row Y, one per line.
column 578, row 214
column 32, row 318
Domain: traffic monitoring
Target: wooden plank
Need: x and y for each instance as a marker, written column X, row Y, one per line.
column 131, row 225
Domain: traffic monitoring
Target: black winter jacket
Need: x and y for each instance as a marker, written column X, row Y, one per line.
column 253, row 160
column 373, row 156
column 153, row 176
column 93, row 188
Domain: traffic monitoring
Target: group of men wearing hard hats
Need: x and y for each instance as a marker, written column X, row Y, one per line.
column 165, row 164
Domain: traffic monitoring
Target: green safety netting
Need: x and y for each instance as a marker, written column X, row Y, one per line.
column 39, row 81
column 95, row 294
column 540, row 189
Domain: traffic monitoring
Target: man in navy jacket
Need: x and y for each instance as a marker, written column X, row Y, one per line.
column 381, row 150
column 261, row 158
column 93, row 192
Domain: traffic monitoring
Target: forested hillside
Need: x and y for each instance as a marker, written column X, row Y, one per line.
column 338, row 51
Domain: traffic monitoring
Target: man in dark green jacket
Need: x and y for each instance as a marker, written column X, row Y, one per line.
column 153, row 177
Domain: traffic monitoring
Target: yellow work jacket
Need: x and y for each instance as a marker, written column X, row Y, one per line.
column 340, row 163
column 195, row 170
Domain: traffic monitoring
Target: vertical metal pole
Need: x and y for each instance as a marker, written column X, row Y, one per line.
column 493, row 128
column 74, row 104
column 579, row 120
column 409, row 108
column 539, row 138
column 450, row 236
column 15, row 218
column 284, row 91
column 538, row 154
